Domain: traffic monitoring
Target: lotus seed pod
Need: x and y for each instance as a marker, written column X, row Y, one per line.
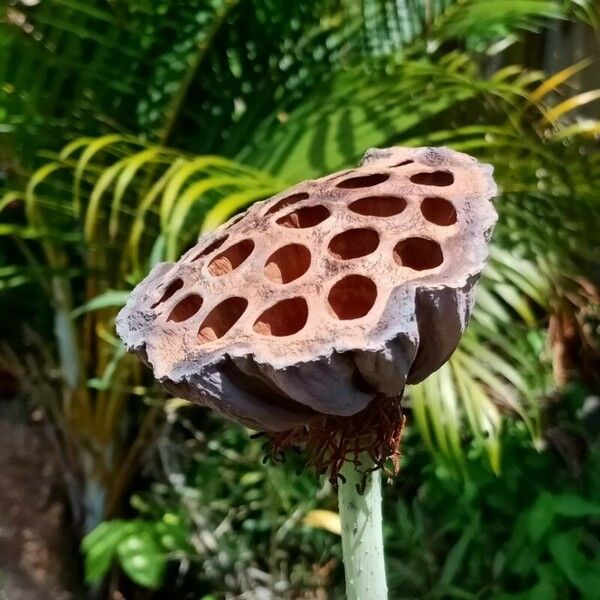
column 333, row 293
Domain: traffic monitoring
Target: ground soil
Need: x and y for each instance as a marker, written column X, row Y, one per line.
column 37, row 551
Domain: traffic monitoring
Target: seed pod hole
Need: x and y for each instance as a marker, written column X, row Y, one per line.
column 186, row 308
column 211, row 247
column 436, row 178
column 363, row 181
column 418, row 253
column 288, row 263
column 309, row 216
column 354, row 243
column 439, row 211
column 378, row 206
column 352, row 297
column 287, row 201
column 221, row 319
column 284, row 318
column 173, row 287
column 230, row 259
column 403, row 163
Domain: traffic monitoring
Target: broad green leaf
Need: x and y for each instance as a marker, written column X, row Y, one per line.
column 582, row 572
column 100, row 547
column 571, row 505
column 142, row 558
column 540, row 517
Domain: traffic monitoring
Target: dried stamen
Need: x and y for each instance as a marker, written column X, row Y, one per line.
column 331, row 441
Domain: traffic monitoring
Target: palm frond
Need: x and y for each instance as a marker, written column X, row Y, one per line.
column 127, row 195
column 53, row 40
column 331, row 128
column 490, row 26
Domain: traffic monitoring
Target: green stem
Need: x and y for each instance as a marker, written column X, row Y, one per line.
column 362, row 537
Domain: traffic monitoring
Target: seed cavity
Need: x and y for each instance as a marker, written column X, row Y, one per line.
column 436, row 178
column 438, row 211
column 186, row 308
column 419, row 254
column 230, row 259
column 352, row 297
column 287, row 317
column 221, row 319
column 288, row 263
column 309, row 216
column 378, row 206
column 354, row 243
column 363, row 181
column 173, row 287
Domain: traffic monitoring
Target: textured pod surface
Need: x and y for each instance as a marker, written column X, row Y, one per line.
column 324, row 296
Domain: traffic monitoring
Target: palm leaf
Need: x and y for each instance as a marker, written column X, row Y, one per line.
column 136, row 193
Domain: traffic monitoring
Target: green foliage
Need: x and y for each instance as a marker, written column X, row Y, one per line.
column 149, row 200
column 125, row 207
column 140, row 546
column 223, row 519
column 532, row 532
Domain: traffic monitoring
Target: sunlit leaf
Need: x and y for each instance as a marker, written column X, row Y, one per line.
column 324, row 519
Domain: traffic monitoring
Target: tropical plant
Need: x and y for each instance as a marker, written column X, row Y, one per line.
column 285, row 91
column 529, row 534
column 95, row 415
column 225, row 523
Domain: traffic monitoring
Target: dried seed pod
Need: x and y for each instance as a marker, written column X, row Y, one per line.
column 324, row 297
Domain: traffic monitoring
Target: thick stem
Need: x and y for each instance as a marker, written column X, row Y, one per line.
column 362, row 537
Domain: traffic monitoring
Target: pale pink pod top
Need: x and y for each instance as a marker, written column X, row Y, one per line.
column 324, row 296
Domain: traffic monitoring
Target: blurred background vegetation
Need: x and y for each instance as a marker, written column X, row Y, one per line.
column 129, row 127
